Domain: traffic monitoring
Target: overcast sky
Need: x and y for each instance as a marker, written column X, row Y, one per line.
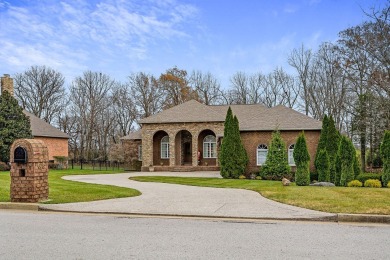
column 118, row 37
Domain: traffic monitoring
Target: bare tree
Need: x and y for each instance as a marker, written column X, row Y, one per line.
column 148, row 97
column 301, row 60
column 40, row 90
column 239, row 88
column 124, row 109
column 207, row 87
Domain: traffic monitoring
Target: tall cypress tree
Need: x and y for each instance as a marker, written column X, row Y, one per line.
column 324, row 168
column 14, row 124
column 323, row 139
column 347, row 153
column 302, row 161
column 332, row 144
column 227, row 146
column 385, row 152
column 233, row 154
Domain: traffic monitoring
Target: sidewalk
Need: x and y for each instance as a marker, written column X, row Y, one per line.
column 180, row 200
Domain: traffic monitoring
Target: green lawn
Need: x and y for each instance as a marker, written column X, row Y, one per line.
column 63, row 191
column 327, row 199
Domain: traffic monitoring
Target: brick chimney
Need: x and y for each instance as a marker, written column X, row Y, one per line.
column 7, row 84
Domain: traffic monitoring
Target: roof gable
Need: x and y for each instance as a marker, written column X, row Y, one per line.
column 40, row 128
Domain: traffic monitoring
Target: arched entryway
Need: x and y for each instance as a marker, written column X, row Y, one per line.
column 183, row 144
column 161, row 149
column 207, row 144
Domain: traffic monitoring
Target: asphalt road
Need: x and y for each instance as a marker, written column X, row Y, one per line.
column 40, row 235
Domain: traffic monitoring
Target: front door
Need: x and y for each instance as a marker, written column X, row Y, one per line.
column 187, row 153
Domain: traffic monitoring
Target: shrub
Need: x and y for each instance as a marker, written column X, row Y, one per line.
column 388, row 185
column 4, row 167
column 355, row 183
column 323, row 139
column 372, row 183
column 258, row 178
column 367, row 176
column 302, row 160
column 241, row 177
column 276, row 165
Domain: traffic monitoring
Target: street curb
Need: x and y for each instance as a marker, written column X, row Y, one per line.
column 363, row 218
column 19, row 206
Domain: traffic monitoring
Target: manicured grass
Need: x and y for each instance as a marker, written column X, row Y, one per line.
column 64, row 191
column 327, row 199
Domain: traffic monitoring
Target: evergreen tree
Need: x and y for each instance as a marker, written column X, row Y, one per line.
column 233, row 156
column 337, row 166
column 322, row 143
column 332, row 145
column 276, row 164
column 302, row 161
column 356, row 166
column 347, row 154
column 227, row 146
column 385, row 152
column 324, row 166
column 14, row 124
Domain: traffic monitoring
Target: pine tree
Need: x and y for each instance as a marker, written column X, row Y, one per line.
column 385, row 152
column 302, row 161
column 323, row 138
column 332, row 145
column 14, row 124
column 242, row 156
column 324, row 166
column 356, row 166
column 347, row 154
column 337, row 166
column 276, row 165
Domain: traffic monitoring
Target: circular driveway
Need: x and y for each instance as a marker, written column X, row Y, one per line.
column 181, row 200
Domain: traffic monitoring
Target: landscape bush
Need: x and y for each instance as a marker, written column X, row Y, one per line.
column 241, row 177
column 367, row 176
column 385, row 152
column 323, row 166
column 302, row 161
column 355, row 183
column 373, row 183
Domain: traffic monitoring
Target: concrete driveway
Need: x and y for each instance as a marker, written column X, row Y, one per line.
column 180, row 200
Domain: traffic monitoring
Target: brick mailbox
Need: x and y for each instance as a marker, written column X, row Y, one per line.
column 29, row 171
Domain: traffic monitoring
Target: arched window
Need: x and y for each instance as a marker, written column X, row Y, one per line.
column 262, row 151
column 165, row 147
column 209, row 147
column 291, row 155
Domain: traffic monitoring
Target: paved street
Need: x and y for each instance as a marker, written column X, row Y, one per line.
column 171, row 199
column 43, row 235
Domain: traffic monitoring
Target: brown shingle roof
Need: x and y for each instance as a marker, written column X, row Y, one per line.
column 251, row 117
column 40, row 128
column 137, row 135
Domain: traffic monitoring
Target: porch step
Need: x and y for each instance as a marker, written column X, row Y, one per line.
column 183, row 169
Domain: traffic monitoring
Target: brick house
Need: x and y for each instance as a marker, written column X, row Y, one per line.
column 188, row 136
column 56, row 140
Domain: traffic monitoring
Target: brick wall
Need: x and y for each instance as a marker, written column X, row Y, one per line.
column 251, row 140
column 7, row 84
column 56, row 146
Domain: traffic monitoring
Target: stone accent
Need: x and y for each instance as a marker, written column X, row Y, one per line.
column 172, row 130
column 7, row 84
column 29, row 181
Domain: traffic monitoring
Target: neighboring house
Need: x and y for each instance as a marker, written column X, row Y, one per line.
column 188, row 136
column 56, row 140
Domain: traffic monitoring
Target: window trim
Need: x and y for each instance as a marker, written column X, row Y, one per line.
column 164, row 147
column 261, row 150
column 290, row 154
column 211, row 147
